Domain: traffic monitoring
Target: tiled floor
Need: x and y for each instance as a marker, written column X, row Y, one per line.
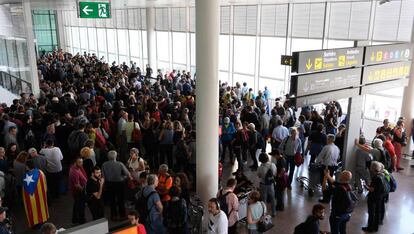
column 399, row 214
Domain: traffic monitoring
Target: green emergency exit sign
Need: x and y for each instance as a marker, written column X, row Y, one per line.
column 100, row 10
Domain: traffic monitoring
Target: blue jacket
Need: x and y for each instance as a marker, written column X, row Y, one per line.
column 227, row 133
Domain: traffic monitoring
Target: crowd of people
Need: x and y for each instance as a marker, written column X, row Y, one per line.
column 125, row 137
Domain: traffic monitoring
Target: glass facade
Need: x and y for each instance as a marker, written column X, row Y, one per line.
column 44, row 27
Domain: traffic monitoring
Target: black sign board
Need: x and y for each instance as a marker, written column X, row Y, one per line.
column 323, row 60
column 387, row 53
column 326, row 97
column 384, row 86
column 383, row 72
column 286, row 60
column 302, row 85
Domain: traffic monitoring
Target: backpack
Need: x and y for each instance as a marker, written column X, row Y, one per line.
column 223, row 202
column 350, row 201
column 260, row 141
column 386, row 159
column 269, row 177
column 175, row 214
column 385, row 184
column 391, row 181
column 292, row 118
column 141, row 205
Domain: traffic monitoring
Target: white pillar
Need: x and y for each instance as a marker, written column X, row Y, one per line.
column 207, row 39
column 407, row 108
column 60, row 30
column 34, row 79
column 151, row 40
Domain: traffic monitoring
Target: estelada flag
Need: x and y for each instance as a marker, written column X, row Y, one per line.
column 35, row 197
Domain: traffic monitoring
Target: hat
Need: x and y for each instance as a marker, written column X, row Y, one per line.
column 32, row 150
column 3, row 209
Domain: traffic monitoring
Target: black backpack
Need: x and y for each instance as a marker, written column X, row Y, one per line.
column 141, row 205
column 269, row 177
column 292, row 118
column 386, row 159
column 351, row 200
column 223, row 202
column 175, row 214
column 260, row 141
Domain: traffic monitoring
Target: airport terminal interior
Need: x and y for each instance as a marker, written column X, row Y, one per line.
column 206, row 116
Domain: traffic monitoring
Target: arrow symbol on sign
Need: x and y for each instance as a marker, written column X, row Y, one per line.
column 86, row 10
column 308, row 65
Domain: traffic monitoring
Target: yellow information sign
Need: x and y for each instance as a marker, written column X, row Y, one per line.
column 384, row 72
column 379, row 56
column 341, row 61
column 318, row 63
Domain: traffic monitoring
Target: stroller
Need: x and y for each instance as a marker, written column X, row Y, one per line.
column 195, row 215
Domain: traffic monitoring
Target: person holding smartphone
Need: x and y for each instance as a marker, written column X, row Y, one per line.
column 94, row 188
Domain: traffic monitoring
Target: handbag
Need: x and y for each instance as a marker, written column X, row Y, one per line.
column 298, row 159
column 265, row 223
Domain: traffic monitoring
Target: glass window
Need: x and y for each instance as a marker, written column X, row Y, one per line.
column 179, row 67
column 41, row 22
column 271, row 48
column 244, row 54
column 179, row 48
column 162, row 46
column 134, row 43
column 224, row 52
column 92, row 39
column 102, row 43
column 224, row 76
column 275, row 87
column 137, row 61
column 333, row 44
column 144, row 44
column 123, row 42
column 83, row 32
column 381, row 107
column 243, row 78
column 123, row 59
column 192, row 48
column 112, row 44
column 75, row 37
column 299, row 44
column 68, row 36
column 164, row 66
column 112, row 58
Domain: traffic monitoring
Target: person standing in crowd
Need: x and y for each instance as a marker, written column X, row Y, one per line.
column 4, row 228
column 34, row 195
column 279, row 133
column 282, row 178
column 165, row 182
column 11, row 136
column 133, row 217
column 340, row 213
column 253, row 145
column 267, row 174
column 362, row 164
column 227, row 137
column 77, row 185
column 377, row 192
column 4, row 165
column 312, row 223
column 135, row 164
column 328, row 158
column 399, row 141
column 19, row 169
column 54, row 175
column 227, row 196
column 255, row 210
column 176, row 216
column 39, row 161
column 385, row 128
column 217, row 219
column 76, row 141
column 154, row 219
column 114, row 173
column 291, row 146
column 166, row 143
column 48, row 228
column 94, row 189
column 316, row 141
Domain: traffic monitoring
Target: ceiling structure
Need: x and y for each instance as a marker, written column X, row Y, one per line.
column 121, row 4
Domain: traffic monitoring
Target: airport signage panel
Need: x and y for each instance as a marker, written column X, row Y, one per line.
column 302, row 85
column 323, row 60
column 383, row 72
column 326, row 97
column 97, row 10
column 374, row 88
column 286, row 60
column 387, row 53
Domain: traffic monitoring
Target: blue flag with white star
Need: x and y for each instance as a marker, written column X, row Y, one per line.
column 30, row 181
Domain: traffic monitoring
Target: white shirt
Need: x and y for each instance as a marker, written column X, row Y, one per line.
column 262, row 170
column 329, row 155
column 217, row 224
column 53, row 157
column 279, row 133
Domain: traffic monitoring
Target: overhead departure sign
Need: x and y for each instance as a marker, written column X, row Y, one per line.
column 322, row 60
column 286, row 60
column 100, row 10
column 385, row 72
column 326, row 97
column 387, row 53
column 302, row 85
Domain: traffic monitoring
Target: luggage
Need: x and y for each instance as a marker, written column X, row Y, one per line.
column 195, row 215
column 311, row 183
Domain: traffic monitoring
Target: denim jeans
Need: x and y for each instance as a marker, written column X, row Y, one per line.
column 268, row 192
column 338, row 223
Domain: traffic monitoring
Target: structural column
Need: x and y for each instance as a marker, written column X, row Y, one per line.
column 151, row 40
column 34, row 79
column 353, row 123
column 207, row 38
column 407, row 108
column 60, row 29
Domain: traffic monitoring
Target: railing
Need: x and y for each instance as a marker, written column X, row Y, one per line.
column 14, row 84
